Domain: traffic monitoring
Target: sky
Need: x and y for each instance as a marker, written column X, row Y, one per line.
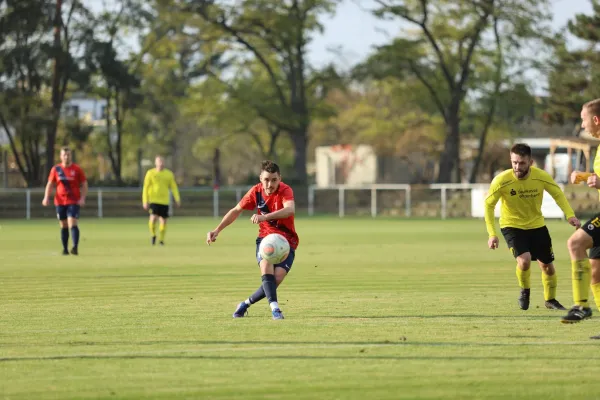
column 352, row 31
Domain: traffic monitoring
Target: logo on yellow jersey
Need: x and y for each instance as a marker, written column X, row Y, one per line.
column 513, row 192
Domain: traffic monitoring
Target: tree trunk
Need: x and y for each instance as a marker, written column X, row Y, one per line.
column 300, row 142
column 449, row 159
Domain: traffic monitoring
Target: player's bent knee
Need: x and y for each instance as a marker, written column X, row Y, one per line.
column 524, row 261
column 579, row 241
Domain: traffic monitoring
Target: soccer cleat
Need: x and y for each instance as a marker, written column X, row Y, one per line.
column 576, row 314
column 74, row 251
column 554, row 305
column 161, row 243
column 241, row 310
column 595, row 337
column 153, row 240
column 65, row 252
column 277, row 314
column 524, row 299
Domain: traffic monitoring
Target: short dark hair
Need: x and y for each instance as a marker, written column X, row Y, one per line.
column 65, row 149
column 270, row 167
column 593, row 107
column 521, row 149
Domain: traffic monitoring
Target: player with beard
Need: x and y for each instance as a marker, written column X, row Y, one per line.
column 274, row 207
column 586, row 267
column 522, row 224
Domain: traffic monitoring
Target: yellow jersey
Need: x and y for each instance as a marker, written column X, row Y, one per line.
column 157, row 185
column 597, row 167
column 522, row 200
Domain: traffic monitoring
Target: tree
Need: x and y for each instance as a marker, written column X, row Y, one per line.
column 272, row 34
column 116, row 76
column 68, row 33
column 32, row 92
column 574, row 76
column 451, row 40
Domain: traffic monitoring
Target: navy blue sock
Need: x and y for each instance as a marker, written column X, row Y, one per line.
column 64, row 235
column 269, row 286
column 257, row 296
column 75, row 234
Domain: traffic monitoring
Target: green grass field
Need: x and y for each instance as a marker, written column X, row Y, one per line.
column 375, row 309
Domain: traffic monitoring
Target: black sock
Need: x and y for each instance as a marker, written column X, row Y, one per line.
column 257, row 296
column 64, row 235
column 75, row 234
column 269, row 286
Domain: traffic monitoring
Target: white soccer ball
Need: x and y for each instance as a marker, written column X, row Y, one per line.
column 274, row 248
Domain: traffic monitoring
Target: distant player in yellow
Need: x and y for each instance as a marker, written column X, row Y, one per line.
column 522, row 223
column 155, row 197
column 586, row 268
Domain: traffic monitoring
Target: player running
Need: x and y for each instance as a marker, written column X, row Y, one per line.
column 522, row 223
column 274, row 201
column 71, row 190
column 155, row 197
column 586, row 268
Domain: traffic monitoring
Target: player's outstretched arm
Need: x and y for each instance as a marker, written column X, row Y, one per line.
column 227, row 220
column 558, row 195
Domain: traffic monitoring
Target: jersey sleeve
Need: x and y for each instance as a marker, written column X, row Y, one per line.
column 248, row 202
column 52, row 175
column 146, row 188
column 287, row 194
column 490, row 202
column 174, row 189
column 557, row 194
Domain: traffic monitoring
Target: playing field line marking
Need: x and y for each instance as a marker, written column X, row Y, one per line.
column 239, row 348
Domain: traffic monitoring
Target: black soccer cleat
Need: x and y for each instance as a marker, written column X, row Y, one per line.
column 553, row 304
column 524, row 299
column 65, row 252
column 153, row 240
column 161, row 243
column 74, row 251
column 577, row 314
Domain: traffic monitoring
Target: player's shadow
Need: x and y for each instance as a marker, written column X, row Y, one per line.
column 437, row 316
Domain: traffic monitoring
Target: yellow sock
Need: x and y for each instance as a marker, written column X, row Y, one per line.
column 550, row 282
column 152, row 227
column 162, row 231
column 524, row 278
column 581, row 278
column 596, row 291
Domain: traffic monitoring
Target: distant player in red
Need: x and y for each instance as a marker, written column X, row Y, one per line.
column 71, row 189
column 274, row 202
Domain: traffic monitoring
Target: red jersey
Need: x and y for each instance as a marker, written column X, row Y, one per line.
column 256, row 198
column 68, row 180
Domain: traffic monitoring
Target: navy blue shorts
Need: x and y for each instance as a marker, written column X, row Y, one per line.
column 70, row 211
column 285, row 264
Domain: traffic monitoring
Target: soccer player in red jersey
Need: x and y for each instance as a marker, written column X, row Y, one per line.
column 71, row 189
column 274, row 202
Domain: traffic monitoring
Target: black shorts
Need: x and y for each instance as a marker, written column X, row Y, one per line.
column 162, row 210
column 535, row 241
column 70, row 211
column 592, row 228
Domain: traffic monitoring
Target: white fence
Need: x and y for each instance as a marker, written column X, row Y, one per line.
column 434, row 201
